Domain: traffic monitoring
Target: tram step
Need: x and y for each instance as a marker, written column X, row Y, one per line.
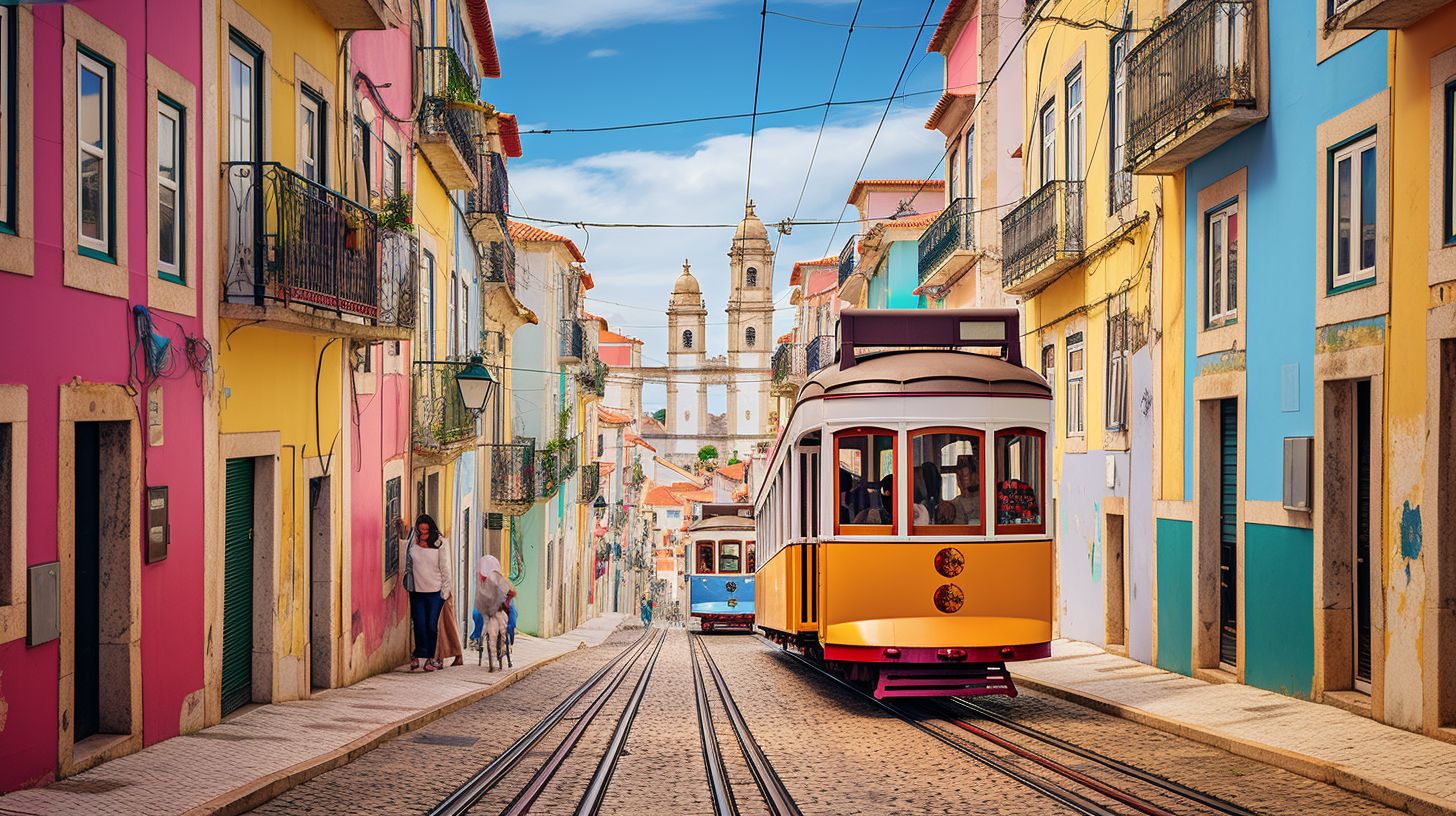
column 973, row 680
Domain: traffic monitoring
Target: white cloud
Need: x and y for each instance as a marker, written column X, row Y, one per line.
column 599, row 53
column 705, row 185
column 556, row 18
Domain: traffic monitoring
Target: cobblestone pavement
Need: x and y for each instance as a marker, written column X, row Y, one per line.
column 836, row 753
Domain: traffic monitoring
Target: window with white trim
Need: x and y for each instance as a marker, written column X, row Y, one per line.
column 970, row 162
column 1352, row 216
column 1221, row 270
column 393, row 186
column 171, row 161
column 94, row 111
column 1049, row 366
column 1120, row 179
column 1076, row 385
column 1117, row 359
column 1048, row 143
column 1448, row 192
column 1076, row 127
column 311, row 135
column 7, row 117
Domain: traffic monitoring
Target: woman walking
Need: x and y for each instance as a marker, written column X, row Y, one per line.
column 427, row 578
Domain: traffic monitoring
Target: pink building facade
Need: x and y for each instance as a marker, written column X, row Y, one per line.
column 108, row 457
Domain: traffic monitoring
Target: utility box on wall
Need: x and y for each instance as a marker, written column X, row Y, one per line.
column 43, row 602
column 1298, row 472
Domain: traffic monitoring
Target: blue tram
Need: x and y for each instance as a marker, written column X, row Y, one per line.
column 720, row 559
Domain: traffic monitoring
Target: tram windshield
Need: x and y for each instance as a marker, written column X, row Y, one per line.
column 729, row 559
column 866, row 478
column 705, row 557
column 947, row 481
column 1019, row 480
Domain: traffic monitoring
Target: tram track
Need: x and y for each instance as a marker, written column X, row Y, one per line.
column 468, row 795
column 776, row 796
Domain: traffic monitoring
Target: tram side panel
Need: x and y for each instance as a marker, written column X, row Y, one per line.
column 880, row 595
column 773, row 592
column 722, row 600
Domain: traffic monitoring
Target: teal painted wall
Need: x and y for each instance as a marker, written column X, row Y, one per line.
column 904, row 274
column 1279, row 609
column 530, row 588
column 1175, row 595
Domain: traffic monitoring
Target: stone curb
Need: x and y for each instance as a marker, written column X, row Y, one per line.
column 1391, row 794
column 253, row 794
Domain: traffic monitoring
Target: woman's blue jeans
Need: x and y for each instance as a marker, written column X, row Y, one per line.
column 425, row 613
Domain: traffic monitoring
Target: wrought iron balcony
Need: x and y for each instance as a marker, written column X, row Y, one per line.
column 1043, row 236
column 788, row 363
column 498, row 263
column 487, row 203
column 1371, row 14
column 593, row 376
column 441, row 419
column 295, row 242
column 548, row 472
column 449, row 133
column 513, row 474
column 399, row 263
column 1195, row 82
column 847, row 259
column 819, row 353
column 591, row 483
column 573, row 340
column 947, row 244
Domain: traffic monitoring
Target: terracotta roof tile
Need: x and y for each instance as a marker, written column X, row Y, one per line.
column 609, row 336
column 697, row 496
column 661, row 497
column 526, row 232
column 634, row 439
column 612, row 417
column 734, row 472
column 484, row 39
column 947, row 21
column 510, row 135
column 921, row 184
column 947, row 100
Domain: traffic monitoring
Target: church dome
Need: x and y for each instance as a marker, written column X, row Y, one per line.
column 750, row 226
column 686, row 283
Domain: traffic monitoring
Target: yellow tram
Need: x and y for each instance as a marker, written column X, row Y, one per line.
column 904, row 530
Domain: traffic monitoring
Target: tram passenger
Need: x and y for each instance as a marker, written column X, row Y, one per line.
column 965, row 508
column 927, row 497
column 879, row 501
column 705, row 559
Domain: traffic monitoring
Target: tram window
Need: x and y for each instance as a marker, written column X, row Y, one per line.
column 749, row 565
column 729, row 559
column 866, row 462
column 705, row 557
column 1020, row 464
column 812, row 500
column 949, row 471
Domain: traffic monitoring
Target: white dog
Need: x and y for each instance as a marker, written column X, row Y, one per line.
column 492, row 593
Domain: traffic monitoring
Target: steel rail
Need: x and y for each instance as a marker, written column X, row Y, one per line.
column 1048, row 789
column 1205, row 799
column 544, row 774
column 596, row 790
column 718, row 785
column 464, row 797
column 775, row 794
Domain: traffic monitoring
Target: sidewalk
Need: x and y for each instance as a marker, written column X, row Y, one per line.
column 247, row 760
column 1398, row 768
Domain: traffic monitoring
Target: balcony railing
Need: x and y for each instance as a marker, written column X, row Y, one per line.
column 512, row 473
column 291, row 240
column 593, row 376
column 847, row 259
column 399, row 262
column 952, row 231
column 819, row 353
column 1189, row 73
column 440, row 416
column 591, row 483
column 573, row 340
column 1043, row 235
column 548, row 472
column 788, row 362
column 491, row 194
column 498, row 263
column 446, row 86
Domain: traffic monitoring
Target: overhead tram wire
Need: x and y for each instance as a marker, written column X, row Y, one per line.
column 884, row 115
column 834, row 86
column 753, row 126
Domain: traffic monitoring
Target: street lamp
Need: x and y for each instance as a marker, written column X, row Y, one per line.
column 600, row 506
column 475, row 384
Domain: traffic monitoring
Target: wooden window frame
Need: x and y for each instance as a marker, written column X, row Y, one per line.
column 1047, row 144
column 1228, row 308
column 841, row 528
column 1041, row 492
column 1076, row 407
column 912, row 469
column 1075, row 124
column 103, row 248
column 1352, row 150
column 176, row 271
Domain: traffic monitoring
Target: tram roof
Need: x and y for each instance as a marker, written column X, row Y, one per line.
column 722, row 523
column 926, row 371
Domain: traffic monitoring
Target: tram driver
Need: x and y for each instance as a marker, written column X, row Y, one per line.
column 965, row 508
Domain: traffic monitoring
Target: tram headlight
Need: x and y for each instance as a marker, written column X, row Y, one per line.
column 950, row 562
column 949, row 598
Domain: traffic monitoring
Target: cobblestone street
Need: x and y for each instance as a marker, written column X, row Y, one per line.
column 835, row 751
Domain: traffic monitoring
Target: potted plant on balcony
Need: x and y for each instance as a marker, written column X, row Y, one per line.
column 397, row 213
column 353, row 229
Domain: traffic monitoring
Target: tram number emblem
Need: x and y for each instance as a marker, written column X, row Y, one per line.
column 732, row 586
column 949, row 562
column 732, row 603
column 949, row 598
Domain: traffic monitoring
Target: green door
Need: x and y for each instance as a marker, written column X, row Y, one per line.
column 1228, row 549
column 237, row 587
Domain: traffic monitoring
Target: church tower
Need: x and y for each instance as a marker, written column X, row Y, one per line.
column 750, row 325
column 687, row 390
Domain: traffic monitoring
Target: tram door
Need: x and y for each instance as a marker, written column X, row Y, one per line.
column 1228, row 549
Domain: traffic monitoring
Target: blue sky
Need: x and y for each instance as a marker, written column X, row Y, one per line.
column 585, row 63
